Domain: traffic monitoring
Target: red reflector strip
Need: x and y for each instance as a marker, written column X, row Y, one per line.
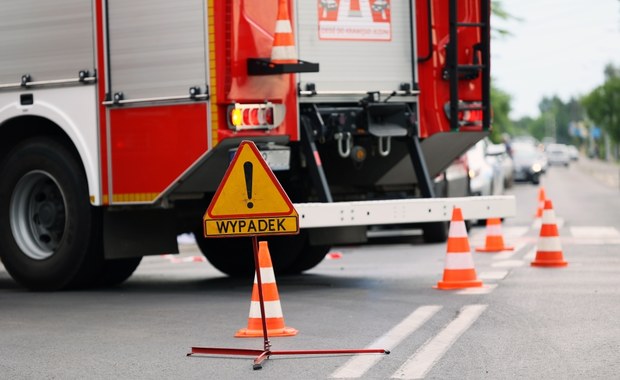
column 252, row 116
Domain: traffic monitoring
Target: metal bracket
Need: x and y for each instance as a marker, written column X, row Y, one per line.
column 344, row 149
column 264, row 66
column 25, row 79
column 385, row 151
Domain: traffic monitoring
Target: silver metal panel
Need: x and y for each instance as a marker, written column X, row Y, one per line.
column 49, row 40
column 402, row 211
column 157, row 47
column 350, row 65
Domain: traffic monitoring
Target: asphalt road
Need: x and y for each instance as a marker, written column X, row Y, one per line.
column 526, row 322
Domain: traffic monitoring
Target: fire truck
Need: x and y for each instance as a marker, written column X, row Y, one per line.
column 118, row 120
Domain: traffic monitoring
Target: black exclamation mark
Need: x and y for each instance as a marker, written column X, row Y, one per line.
column 247, row 169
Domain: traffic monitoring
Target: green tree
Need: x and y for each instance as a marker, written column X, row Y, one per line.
column 558, row 116
column 535, row 127
column 500, row 104
column 603, row 106
column 500, row 100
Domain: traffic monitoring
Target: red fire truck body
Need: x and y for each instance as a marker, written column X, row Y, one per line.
column 118, row 120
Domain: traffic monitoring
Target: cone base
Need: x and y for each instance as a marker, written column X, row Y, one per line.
column 493, row 249
column 447, row 285
column 247, row 333
column 542, row 263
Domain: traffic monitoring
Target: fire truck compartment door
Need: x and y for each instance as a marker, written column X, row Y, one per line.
column 50, row 40
column 157, row 47
column 365, row 48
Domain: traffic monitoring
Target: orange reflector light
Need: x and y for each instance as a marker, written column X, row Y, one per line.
column 255, row 116
column 235, row 117
column 470, row 114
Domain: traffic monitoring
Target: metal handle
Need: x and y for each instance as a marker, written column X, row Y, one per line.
column 54, row 82
column 356, row 93
column 344, row 149
column 384, row 151
column 156, row 99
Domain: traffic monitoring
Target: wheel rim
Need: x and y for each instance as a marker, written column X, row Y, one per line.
column 38, row 215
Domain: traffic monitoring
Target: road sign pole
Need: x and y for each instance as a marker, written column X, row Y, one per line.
column 235, row 213
column 259, row 281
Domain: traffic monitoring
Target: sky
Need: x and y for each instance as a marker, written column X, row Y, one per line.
column 558, row 47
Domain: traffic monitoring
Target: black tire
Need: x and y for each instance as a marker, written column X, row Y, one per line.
column 310, row 256
column 115, row 272
column 436, row 232
column 47, row 227
column 235, row 256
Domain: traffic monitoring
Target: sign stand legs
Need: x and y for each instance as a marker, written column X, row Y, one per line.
column 266, row 352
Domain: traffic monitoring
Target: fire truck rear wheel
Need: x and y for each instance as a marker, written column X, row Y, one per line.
column 114, row 272
column 235, row 257
column 310, row 256
column 46, row 220
column 435, row 232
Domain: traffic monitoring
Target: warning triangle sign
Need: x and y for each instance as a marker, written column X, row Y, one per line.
column 250, row 200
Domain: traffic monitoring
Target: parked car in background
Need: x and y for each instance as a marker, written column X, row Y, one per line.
column 527, row 162
column 499, row 152
column 573, row 153
column 542, row 158
column 485, row 175
column 557, row 154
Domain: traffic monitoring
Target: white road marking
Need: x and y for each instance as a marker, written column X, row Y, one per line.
column 493, row 275
column 595, row 232
column 575, row 241
column 515, row 231
column 358, row 365
column 594, row 235
column 508, row 254
column 484, row 289
column 508, row 264
column 531, row 255
column 418, row 365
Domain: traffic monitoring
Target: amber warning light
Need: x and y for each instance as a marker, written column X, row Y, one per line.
column 255, row 116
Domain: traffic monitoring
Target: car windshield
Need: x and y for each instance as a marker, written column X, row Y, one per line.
column 556, row 149
column 524, row 152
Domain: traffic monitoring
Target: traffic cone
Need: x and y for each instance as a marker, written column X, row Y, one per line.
column 283, row 50
column 549, row 249
column 273, row 309
column 355, row 9
column 494, row 241
column 541, row 202
column 459, row 271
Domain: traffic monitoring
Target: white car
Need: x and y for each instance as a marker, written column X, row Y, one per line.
column 500, row 153
column 486, row 175
column 557, row 154
column 573, row 152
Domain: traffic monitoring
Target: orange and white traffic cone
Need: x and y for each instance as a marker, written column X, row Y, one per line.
column 459, row 270
column 355, row 9
column 283, row 50
column 494, row 241
column 541, row 202
column 549, row 249
column 271, row 299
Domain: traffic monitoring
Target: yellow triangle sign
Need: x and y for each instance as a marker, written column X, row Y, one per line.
column 250, row 200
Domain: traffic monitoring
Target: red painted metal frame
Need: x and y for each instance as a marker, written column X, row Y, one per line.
column 249, row 27
column 101, row 80
column 434, row 89
column 266, row 352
